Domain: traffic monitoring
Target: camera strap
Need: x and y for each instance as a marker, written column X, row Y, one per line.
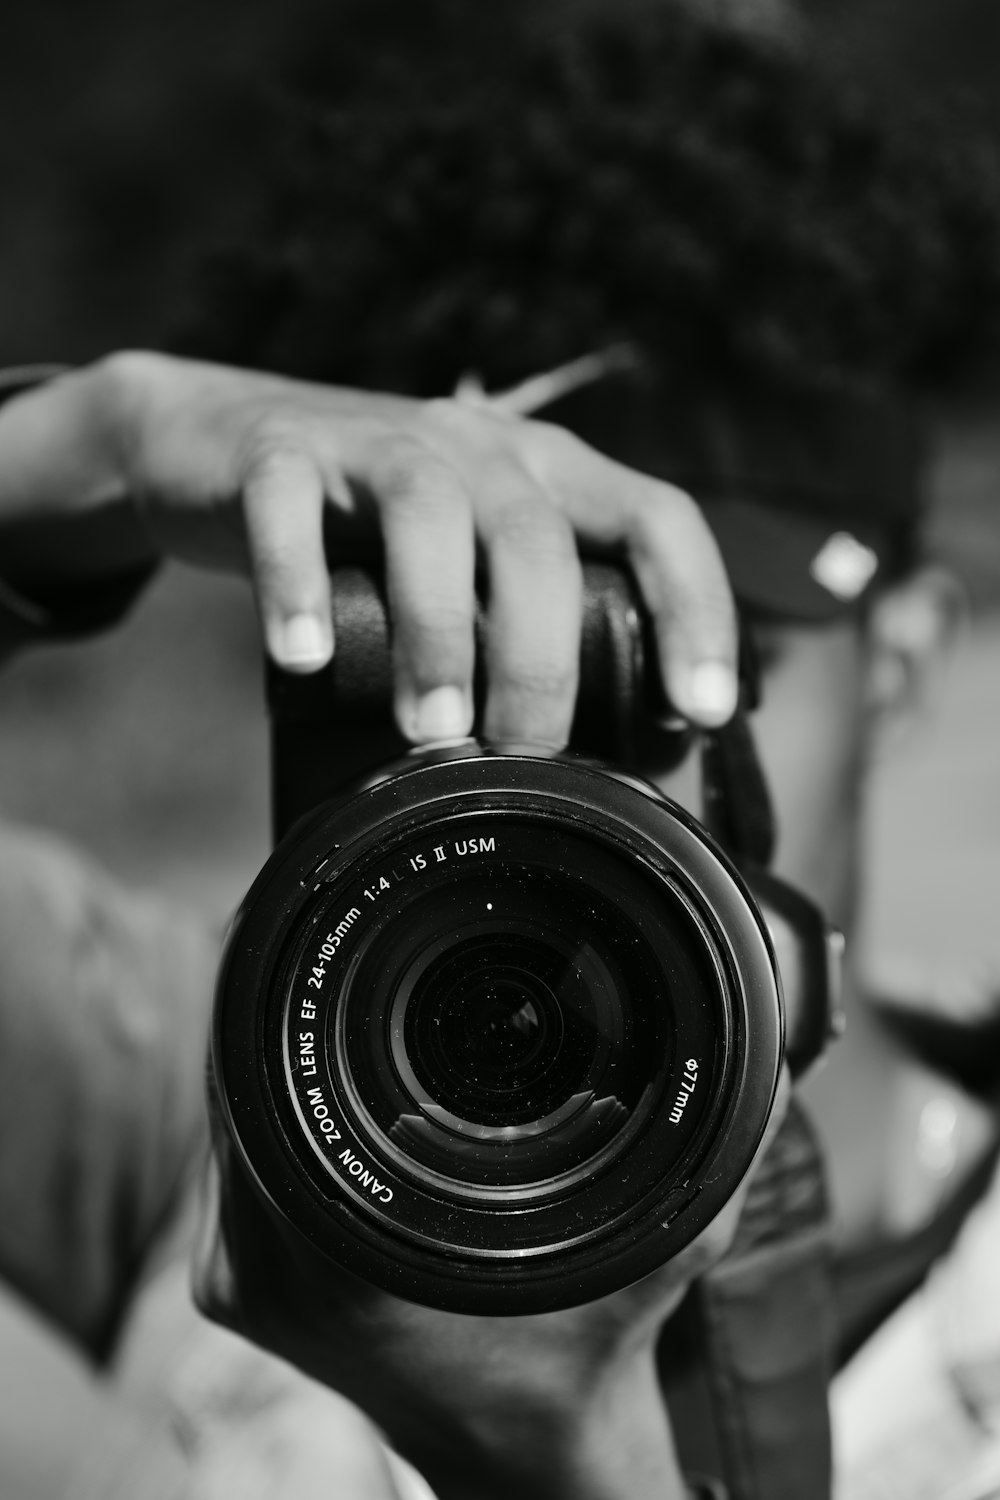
column 745, row 1362
column 736, row 803
column 623, row 716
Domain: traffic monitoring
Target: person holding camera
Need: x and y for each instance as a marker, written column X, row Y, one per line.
column 104, row 469
column 813, row 501
column 690, row 240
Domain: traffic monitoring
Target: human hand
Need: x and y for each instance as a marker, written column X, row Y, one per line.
column 555, row 1406
column 308, row 1441
column 564, row 1405
column 232, row 468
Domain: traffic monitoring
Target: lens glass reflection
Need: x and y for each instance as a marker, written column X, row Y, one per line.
column 516, row 1023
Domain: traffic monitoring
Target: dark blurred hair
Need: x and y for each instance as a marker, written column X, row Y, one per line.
column 501, row 194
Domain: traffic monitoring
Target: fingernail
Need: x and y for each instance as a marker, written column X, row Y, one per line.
column 442, row 714
column 302, row 643
column 712, row 692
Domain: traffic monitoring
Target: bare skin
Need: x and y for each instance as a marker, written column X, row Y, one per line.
column 141, row 456
column 147, row 455
column 144, row 455
column 557, row 1406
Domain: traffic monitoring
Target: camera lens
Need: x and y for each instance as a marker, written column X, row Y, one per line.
column 514, row 1023
column 485, row 1032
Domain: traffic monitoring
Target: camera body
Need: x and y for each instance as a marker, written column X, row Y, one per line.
column 499, row 1030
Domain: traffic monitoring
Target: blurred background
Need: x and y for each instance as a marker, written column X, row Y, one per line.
column 134, row 139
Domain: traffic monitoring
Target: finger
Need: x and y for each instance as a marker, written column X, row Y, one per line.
column 283, row 508
column 683, row 582
column 429, row 539
column 535, row 615
column 673, row 555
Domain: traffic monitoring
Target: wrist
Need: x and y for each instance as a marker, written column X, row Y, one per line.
column 66, row 510
column 73, row 551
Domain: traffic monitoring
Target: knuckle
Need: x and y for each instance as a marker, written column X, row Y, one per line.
column 136, row 387
column 129, row 371
column 277, row 566
column 270, row 446
column 670, row 530
column 427, row 627
column 534, row 532
column 555, row 444
column 477, row 432
column 408, row 473
column 449, row 418
column 669, row 518
column 656, row 515
column 547, row 680
column 446, row 411
column 562, row 463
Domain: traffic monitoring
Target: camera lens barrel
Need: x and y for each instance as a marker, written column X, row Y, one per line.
column 499, row 1032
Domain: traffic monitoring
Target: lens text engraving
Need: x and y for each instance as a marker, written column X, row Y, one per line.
column 475, row 846
column 329, row 946
column 685, row 1091
column 321, row 1114
column 307, row 1054
column 318, row 982
column 365, row 1177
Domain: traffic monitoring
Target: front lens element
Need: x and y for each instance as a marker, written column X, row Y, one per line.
column 511, row 1029
column 511, row 1024
column 485, row 1028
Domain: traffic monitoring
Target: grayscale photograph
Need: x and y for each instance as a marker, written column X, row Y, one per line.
column 500, row 750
